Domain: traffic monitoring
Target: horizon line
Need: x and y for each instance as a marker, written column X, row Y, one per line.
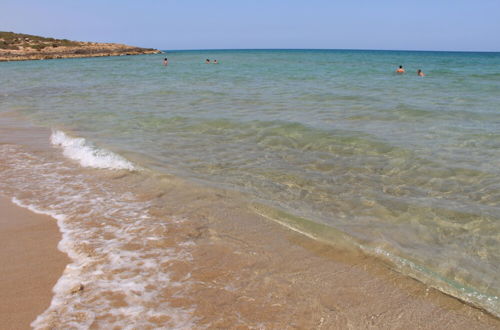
column 346, row 49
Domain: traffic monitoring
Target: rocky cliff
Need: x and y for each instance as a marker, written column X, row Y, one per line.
column 20, row 47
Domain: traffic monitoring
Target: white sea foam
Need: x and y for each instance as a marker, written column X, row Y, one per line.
column 98, row 225
column 87, row 154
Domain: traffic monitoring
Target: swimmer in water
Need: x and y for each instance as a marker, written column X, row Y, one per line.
column 165, row 61
column 215, row 62
column 420, row 73
column 207, row 61
column 400, row 69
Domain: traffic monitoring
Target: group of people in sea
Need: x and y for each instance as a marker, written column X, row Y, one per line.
column 401, row 70
column 207, row 61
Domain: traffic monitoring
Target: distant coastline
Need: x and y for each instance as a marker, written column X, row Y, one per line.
column 23, row 47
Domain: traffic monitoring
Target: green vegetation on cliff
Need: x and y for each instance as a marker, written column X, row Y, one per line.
column 15, row 41
column 21, row 47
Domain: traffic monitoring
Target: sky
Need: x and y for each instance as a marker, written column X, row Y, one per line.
column 451, row 25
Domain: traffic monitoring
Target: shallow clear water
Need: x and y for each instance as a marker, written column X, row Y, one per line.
column 407, row 166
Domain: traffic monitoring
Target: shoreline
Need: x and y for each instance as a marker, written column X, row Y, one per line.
column 244, row 264
column 31, row 264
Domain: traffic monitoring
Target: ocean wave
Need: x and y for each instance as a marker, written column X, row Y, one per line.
column 89, row 155
column 120, row 253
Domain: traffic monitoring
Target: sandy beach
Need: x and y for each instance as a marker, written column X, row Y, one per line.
column 257, row 166
column 31, row 264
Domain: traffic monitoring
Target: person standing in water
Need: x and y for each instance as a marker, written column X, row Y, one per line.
column 400, row 69
column 165, row 61
column 420, row 73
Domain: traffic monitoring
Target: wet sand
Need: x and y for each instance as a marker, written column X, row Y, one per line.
column 250, row 271
column 30, row 263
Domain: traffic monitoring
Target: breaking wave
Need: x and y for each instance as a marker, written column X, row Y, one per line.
column 89, row 155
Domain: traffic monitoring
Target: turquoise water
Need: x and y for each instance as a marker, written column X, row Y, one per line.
column 407, row 166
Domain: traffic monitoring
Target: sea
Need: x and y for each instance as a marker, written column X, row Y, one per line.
column 134, row 159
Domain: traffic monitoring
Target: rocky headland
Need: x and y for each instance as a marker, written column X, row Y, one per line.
column 22, row 47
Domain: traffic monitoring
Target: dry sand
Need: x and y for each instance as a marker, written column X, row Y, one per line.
column 30, row 263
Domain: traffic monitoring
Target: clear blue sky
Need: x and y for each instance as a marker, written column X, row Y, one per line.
column 215, row 24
